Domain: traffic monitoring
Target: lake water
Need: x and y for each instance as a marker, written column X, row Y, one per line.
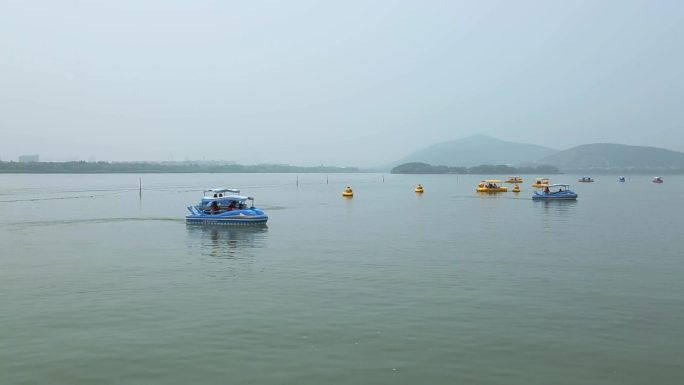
column 98, row 286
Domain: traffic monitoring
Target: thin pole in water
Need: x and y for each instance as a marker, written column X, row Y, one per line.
column 140, row 189
column 297, row 180
column 326, row 179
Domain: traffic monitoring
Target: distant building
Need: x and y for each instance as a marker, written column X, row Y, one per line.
column 29, row 158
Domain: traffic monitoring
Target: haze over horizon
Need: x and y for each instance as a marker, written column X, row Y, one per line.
column 348, row 84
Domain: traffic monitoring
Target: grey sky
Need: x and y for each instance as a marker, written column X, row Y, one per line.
column 344, row 83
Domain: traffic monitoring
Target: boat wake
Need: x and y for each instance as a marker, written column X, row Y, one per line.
column 92, row 221
column 54, row 198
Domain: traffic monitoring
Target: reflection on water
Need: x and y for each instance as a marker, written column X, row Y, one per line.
column 227, row 242
column 557, row 206
column 554, row 213
column 491, row 195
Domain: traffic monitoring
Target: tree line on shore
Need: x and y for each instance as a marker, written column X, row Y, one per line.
column 424, row 168
column 82, row 167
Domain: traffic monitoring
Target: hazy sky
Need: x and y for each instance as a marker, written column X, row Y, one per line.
column 342, row 83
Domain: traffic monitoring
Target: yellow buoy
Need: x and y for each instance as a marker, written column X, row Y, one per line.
column 348, row 192
column 419, row 189
column 516, row 188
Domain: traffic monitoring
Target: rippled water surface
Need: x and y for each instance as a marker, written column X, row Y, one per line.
column 100, row 286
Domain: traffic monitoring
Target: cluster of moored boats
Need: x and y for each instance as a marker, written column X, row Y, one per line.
column 227, row 206
column 556, row 191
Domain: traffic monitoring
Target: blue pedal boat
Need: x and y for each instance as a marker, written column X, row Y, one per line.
column 555, row 192
column 223, row 206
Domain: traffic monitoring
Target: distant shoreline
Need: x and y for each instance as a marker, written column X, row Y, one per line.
column 415, row 168
column 159, row 168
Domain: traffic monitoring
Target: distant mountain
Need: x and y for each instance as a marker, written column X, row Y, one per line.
column 477, row 150
column 604, row 156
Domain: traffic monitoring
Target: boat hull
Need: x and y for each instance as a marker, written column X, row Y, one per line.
column 236, row 217
column 557, row 196
column 492, row 190
column 226, row 221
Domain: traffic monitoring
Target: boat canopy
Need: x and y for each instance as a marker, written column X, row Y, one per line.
column 222, row 190
column 559, row 185
column 492, row 181
column 227, row 197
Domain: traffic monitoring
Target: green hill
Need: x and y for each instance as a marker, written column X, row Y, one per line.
column 608, row 156
column 491, row 169
column 476, row 150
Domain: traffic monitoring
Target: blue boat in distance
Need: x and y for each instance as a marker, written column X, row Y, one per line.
column 555, row 192
column 223, row 206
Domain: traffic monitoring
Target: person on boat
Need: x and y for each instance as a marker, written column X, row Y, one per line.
column 231, row 206
column 213, row 208
column 546, row 190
